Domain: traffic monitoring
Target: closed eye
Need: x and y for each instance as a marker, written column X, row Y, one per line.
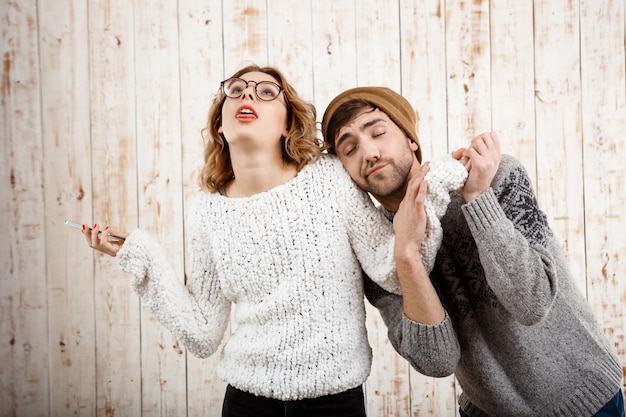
column 346, row 148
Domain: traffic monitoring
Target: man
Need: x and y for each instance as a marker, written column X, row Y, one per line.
column 529, row 342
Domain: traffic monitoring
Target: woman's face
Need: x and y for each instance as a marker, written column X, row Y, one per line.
column 248, row 118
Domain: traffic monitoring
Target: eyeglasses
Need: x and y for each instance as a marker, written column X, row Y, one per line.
column 264, row 90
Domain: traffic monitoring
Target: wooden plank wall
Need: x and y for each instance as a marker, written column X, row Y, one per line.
column 101, row 106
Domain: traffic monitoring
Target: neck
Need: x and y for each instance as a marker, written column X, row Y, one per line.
column 257, row 174
column 391, row 202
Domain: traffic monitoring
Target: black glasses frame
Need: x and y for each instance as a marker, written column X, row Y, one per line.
column 256, row 85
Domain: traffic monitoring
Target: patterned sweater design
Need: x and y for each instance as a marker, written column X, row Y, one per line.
column 524, row 339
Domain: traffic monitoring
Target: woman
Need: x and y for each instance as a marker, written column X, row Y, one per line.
column 280, row 231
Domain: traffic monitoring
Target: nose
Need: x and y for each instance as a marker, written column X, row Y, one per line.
column 249, row 92
column 371, row 152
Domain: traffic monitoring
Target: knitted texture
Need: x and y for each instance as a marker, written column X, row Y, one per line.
column 446, row 174
column 530, row 344
column 289, row 262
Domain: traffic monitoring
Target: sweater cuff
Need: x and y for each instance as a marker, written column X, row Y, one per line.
column 134, row 257
column 432, row 349
column 482, row 212
column 419, row 332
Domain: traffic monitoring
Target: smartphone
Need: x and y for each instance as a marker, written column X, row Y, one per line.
column 79, row 226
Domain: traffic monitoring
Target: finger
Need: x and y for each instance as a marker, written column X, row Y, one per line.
column 104, row 236
column 488, row 147
column 94, row 235
column 421, row 193
column 411, row 188
column 110, row 236
column 416, row 180
column 118, row 233
column 484, row 141
column 496, row 141
column 458, row 154
column 490, row 140
column 420, row 209
column 421, row 175
column 471, row 153
column 424, row 170
column 480, row 144
column 466, row 158
column 86, row 231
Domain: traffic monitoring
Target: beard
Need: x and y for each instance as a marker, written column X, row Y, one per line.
column 393, row 184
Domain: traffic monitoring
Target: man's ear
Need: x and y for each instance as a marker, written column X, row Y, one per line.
column 413, row 145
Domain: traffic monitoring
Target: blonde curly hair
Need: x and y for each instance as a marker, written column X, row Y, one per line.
column 300, row 147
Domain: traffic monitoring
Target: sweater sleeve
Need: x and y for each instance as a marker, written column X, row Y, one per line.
column 432, row 350
column 370, row 233
column 196, row 314
column 511, row 234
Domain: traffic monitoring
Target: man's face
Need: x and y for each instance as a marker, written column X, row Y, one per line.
column 376, row 153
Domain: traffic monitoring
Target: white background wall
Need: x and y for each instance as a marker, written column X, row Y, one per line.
column 101, row 105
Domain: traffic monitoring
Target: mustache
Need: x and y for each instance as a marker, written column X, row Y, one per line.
column 367, row 167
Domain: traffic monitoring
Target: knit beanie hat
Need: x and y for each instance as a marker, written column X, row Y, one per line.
column 391, row 103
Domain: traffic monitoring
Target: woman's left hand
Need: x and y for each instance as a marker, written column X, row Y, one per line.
column 102, row 241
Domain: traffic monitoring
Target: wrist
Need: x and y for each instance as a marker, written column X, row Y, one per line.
column 406, row 253
column 420, row 302
column 470, row 196
column 411, row 272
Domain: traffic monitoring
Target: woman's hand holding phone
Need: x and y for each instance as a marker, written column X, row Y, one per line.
column 108, row 241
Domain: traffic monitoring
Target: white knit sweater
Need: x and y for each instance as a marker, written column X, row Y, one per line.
column 446, row 174
column 289, row 260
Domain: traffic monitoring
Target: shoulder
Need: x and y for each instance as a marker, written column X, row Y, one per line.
column 201, row 206
column 329, row 168
column 203, row 199
column 509, row 162
column 330, row 162
column 514, row 190
column 511, row 171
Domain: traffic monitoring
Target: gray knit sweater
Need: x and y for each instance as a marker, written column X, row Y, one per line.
column 289, row 262
column 529, row 342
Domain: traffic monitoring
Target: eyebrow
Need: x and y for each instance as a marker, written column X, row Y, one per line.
column 347, row 135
